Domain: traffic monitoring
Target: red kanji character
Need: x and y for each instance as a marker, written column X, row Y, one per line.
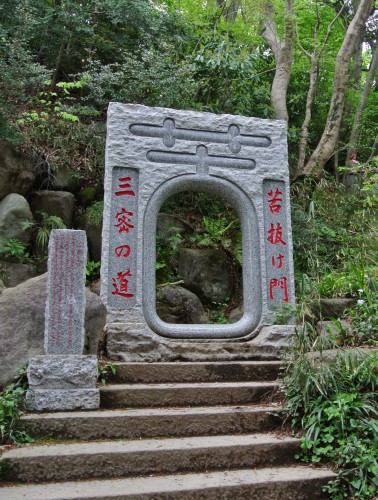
column 275, row 234
column 124, row 184
column 274, row 201
column 278, row 261
column 122, row 251
column 121, row 284
column 278, row 283
column 124, row 221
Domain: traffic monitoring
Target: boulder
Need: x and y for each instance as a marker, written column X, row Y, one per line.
column 171, row 225
column 64, row 179
column 207, row 273
column 334, row 329
column 60, row 203
column 175, row 304
column 22, row 313
column 329, row 356
column 16, row 172
column 14, row 273
column 94, row 239
column 95, row 287
column 14, row 209
column 331, row 308
column 236, row 314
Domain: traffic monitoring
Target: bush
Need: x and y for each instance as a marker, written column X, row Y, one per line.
column 335, row 403
column 12, row 402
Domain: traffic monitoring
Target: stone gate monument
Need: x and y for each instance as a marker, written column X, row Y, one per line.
column 154, row 153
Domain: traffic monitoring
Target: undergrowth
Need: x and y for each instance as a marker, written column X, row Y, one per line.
column 335, row 402
column 12, row 403
column 331, row 377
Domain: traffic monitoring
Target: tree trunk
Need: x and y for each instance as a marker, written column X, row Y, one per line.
column 303, row 141
column 354, row 136
column 229, row 8
column 325, row 148
column 283, row 53
column 374, row 149
column 314, row 75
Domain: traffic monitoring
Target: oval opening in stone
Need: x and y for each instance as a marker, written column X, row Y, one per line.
column 198, row 260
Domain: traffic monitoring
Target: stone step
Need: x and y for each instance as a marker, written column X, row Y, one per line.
column 152, row 422
column 273, row 483
column 233, row 371
column 190, row 394
column 115, row 459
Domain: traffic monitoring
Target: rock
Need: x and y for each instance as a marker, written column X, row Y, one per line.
column 94, row 321
column 175, row 304
column 94, row 239
column 92, row 225
column 16, row 172
column 14, row 209
column 14, row 273
column 64, row 179
column 89, row 195
column 332, row 329
column 236, row 314
column 207, row 273
column 22, row 310
column 2, row 287
column 331, row 308
column 60, row 203
column 171, row 225
column 329, row 355
column 95, row 287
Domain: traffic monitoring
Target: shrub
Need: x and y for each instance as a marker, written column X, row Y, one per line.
column 335, row 403
column 12, row 402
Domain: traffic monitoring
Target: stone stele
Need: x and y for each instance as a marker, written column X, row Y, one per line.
column 64, row 379
column 154, row 153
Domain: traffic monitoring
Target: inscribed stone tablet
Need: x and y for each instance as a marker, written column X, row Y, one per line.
column 65, row 306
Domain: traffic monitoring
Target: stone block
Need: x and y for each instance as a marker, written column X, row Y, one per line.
column 62, row 372
column 63, row 400
column 134, row 343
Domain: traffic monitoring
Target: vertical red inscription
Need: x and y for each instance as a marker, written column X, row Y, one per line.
column 121, row 284
column 275, row 234
column 275, row 201
column 122, row 251
column 125, row 187
column 278, row 283
column 123, row 278
column 277, row 261
column 124, row 221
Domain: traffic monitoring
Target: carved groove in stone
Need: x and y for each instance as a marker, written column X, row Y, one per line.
column 201, row 159
column 169, row 133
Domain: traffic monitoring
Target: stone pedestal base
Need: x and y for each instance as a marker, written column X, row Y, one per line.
column 133, row 342
column 62, row 382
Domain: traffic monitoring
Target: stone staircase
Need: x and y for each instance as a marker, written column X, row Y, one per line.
column 167, row 431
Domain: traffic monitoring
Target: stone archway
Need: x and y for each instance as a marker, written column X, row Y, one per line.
column 153, row 153
column 251, row 259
